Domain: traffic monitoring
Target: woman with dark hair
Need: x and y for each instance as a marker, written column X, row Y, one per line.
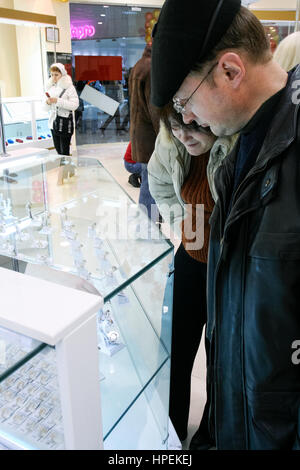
column 181, row 172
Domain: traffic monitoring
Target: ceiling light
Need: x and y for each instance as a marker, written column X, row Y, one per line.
column 105, row 6
column 100, row 22
column 102, row 14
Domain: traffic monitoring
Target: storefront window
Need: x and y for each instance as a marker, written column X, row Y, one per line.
column 107, row 32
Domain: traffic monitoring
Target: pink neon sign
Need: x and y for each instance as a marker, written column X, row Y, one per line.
column 82, row 32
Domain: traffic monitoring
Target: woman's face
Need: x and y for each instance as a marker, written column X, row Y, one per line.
column 56, row 76
column 196, row 142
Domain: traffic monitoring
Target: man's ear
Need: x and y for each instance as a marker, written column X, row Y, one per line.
column 232, row 67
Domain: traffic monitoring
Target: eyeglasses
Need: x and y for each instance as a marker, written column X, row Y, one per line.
column 179, row 104
column 192, row 126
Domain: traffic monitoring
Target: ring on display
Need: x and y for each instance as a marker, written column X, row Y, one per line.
column 113, row 336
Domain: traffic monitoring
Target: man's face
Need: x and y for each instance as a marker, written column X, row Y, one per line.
column 213, row 105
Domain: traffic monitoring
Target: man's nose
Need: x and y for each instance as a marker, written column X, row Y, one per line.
column 188, row 117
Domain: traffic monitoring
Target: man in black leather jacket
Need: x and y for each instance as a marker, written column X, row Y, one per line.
column 254, row 262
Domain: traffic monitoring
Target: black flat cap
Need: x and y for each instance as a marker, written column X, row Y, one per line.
column 184, row 34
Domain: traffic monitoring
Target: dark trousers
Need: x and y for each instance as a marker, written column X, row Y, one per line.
column 145, row 198
column 61, row 142
column 116, row 116
column 134, row 168
column 189, row 318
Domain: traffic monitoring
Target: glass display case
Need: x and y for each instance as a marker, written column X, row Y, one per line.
column 25, row 123
column 29, row 396
column 73, row 224
column 48, row 398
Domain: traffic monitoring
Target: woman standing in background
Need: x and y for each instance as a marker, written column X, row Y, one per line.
column 61, row 101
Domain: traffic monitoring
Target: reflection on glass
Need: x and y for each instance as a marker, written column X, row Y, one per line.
column 42, row 129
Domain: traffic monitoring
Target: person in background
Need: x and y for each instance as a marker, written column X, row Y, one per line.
column 61, row 100
column 114, row 90
column 213, row 59
column 181, row 171
column 144, row 125
column 132, row 167
column 287, row 54
column 79, row 111
column 126, row 118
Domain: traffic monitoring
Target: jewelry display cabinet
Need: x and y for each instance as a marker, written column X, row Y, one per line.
column 25, row 123
column 73, row 224
column 43, row 381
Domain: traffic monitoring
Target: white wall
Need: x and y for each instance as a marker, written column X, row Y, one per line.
column 62, row 13
column 53, row 8
column 6, row 3
column 32, row 46
column 30, row 60
column 9, row 69
column 43, row 7
column 275, row 4
column 29, row 48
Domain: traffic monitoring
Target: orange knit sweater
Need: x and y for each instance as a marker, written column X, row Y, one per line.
column 195, row 190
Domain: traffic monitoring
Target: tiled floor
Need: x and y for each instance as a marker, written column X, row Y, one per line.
column 111, row 156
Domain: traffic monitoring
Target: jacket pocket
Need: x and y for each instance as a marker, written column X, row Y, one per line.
column 273, row 420
column 271, row 313
column 276, row 246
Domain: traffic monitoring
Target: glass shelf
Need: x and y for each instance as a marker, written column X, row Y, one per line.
column 87, row 226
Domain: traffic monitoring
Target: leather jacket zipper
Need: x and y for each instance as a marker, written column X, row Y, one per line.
column 245, row 242
column 215, row 323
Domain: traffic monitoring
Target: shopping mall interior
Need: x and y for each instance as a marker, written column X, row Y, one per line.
column 99, row 43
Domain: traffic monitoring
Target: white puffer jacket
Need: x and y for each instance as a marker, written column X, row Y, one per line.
column 168, row 168
column 68, row 102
